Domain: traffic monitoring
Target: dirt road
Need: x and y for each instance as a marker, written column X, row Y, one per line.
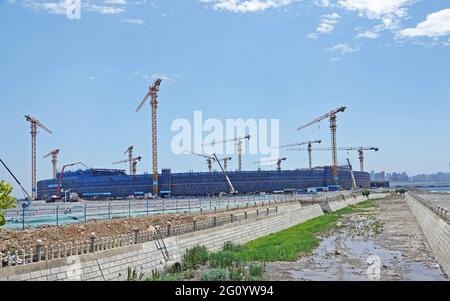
column 378, row 243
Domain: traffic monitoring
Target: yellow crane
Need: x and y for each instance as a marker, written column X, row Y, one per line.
column 54, row 153
column 240, row 143
column 153, row 96
column 277, row 161
column 360, row 151
column 209, row 159
column 129, row 151
column 133, row 161
column 34, row 123
column 333, row 126
column 309, row 143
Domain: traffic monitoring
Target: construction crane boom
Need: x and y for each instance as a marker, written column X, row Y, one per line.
column 34, row 123
column 333, row 126
column 54, row 153
column 360, row 151
column 153, row 95
column 209, row 159
column 278, row 162
column 133, row 161
column 309, row 143
column 61, row 175
column 239, row 142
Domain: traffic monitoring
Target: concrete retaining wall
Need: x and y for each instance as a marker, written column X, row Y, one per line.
column 332, row 206
column 435, row 229
column 113, row 264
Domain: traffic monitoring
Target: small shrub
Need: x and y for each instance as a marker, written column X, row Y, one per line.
column 175, row 268
column 194, row 258
column 222, row 259
column 133, row 275
column 188, row 275
column 366, row 193
column 256, row 270
column 215, row 275
column 236, row 274
column 229, row 246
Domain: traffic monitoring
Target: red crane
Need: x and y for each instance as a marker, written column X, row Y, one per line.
column 61, row 175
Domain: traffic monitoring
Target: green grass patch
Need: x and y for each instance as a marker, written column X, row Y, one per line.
column 288, row 244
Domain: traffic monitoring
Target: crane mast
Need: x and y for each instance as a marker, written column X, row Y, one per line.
column 333, row 126
column 359, row 149
column 309, row 143
column 34, row 123
column 54, row 153
column 240, row 147
column 153, row 95
column 129, row 151
column 278, row 162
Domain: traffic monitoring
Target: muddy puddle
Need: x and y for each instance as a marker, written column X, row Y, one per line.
column 360, row 250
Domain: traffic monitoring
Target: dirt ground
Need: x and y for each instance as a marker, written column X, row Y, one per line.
column 52, row 235
column 381, row 243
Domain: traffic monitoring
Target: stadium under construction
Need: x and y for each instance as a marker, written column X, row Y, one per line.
column 113, row 183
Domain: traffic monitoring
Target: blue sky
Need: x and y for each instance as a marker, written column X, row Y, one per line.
column 387, row 60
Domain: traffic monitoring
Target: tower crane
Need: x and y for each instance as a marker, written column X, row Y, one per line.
column 54, row 153
column 239, row 141
column 134, row 162
column 225, row 162
column 309, row 143
column 278, row 162
column 153, row 95
column 333, row 127
column 360, row 150
column 129, row 151
column 209, row 160
column 34, row 125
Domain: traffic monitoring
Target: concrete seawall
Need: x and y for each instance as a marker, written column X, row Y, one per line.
column 435, row 228
column 335, row 205
column 113, row 264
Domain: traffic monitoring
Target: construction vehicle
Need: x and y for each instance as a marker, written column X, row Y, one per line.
column 134, row 162
column 240, row 147
column 360, row 150
column 153, row 96
column 54, row 153
column 232, row 190
column 34, row 123
column 353, row 174
column 267, row 162
column 61, row 175
column 309, row 143
column 333, row 126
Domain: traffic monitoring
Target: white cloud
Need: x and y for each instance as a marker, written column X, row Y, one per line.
column 326, row 26
column 244, row 6
column 377, row 9
column 343, row 49
column 323, row 3
column 55, row 8
column 134, row 21
column 435, row 25
column 368, row 35
column 119, row 2
column 104, row 10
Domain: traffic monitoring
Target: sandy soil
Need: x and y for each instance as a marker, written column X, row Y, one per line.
column 52, row 235
column 382, row 243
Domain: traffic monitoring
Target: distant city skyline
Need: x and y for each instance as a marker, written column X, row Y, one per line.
column 287, row 60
